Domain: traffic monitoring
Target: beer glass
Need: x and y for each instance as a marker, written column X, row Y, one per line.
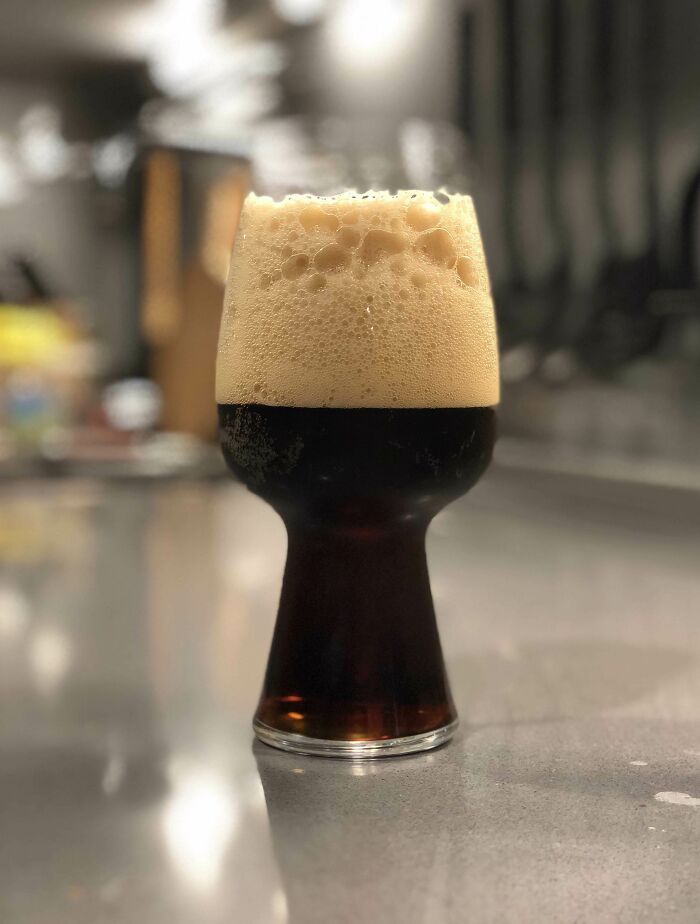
column 357, row 377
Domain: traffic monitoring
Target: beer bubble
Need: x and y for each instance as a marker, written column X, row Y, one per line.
column 378, row 243
column 331, row 257
column 348, row 237
column 316, row 283
column 315, row 217
column 423, row 215
column 438, row 247
column 295, row 266
column 467, row 271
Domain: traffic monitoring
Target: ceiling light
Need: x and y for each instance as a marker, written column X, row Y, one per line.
column 300, row 12
column 367, row 31
column 44, row 151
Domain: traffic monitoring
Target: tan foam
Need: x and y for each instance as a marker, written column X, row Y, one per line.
column 358, row 301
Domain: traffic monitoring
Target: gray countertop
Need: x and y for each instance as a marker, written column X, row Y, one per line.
column 134, row 627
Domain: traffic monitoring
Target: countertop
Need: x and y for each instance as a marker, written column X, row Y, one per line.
column 134, row 625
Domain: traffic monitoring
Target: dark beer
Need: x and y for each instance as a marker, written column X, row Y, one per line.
column 340, row 407
column 356, row 654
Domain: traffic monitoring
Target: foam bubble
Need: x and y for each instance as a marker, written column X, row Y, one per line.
column 331, row 257
column 438, row 247
column 348, row 237
column 349, row 301
column 423, row 215
column 295, row 266
column 316, row 283
column 378, row 243
column 313, row 216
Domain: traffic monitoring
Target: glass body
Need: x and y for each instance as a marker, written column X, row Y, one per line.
column 356, row 667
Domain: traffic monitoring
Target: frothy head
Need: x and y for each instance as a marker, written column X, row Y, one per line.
column 372, row 300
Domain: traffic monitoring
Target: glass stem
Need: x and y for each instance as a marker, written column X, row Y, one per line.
column 356, row 653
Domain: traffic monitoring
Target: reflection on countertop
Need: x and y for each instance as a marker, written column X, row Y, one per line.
column 135, row 620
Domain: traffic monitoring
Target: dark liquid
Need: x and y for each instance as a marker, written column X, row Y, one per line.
column 356, row 653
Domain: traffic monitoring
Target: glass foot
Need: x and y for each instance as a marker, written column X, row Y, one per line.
column 354, row 750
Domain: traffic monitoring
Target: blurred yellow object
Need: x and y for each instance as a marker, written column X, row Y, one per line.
column 21, row 539
column 33, row 530
column 32, row 336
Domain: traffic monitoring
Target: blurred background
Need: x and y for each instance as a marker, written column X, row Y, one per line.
column 130, row 131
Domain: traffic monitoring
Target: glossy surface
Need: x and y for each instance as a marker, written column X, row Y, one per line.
column 134, row 627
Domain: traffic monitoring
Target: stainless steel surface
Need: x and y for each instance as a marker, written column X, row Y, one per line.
column 134, row 626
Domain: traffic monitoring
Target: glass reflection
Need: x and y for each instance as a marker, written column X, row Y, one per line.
column 335, row 823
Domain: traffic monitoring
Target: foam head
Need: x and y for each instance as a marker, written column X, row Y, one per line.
column 358, row 301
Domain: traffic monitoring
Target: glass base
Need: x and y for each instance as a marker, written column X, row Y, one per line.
column 355, row 750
